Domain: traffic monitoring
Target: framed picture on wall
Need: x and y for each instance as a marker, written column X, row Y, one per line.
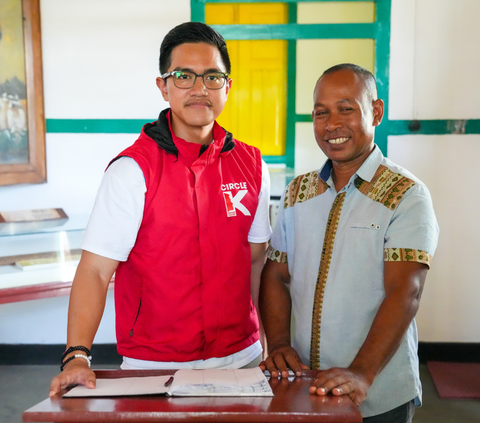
column 22, row 118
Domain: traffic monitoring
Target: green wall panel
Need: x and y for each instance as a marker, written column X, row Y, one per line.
column 96, row 126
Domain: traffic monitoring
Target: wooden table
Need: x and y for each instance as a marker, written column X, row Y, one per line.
column 292, row 403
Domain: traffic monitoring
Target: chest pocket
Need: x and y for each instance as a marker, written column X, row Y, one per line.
column 369, row 226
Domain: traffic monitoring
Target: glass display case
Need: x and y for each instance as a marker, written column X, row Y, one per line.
column 39, row 261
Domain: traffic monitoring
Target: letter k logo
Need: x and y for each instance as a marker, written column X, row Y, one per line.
column 234, row 203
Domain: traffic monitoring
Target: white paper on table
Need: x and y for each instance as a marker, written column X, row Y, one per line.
column 221, row 382
column 187, row 382
column 122, row 387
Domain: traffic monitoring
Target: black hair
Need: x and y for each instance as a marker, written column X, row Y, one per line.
column 364, row 74
column 192, row 32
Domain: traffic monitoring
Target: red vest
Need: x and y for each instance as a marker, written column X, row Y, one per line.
column 184, row 292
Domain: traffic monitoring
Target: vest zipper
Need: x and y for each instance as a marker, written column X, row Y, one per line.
column 136, row 318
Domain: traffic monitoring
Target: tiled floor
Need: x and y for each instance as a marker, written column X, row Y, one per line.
column 21, row 387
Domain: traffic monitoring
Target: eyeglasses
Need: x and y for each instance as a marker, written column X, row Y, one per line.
column 187, row 79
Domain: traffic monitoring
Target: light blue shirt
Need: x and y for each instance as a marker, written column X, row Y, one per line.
column 384, row 213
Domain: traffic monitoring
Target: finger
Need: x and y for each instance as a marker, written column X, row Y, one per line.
column 295, row 364
column 320, row 384
column 281, row 364
column 318, row 389
column 91, row 382
column 54, row 387
column 85, row 377
column 262, row 366
column 343, row 389
column 58, row 383
column 338, row 384
column 68, row 380
column 270, row 365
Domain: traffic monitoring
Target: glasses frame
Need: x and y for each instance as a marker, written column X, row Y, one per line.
column 225, row 77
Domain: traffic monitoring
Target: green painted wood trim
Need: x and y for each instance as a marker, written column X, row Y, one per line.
column 291, row 103
column 275, row 159
column 296, row 31
column 197, row 11
column 289, row 158
column 292, row 13
column 434, row 127
column 303, row 118
column 382, row 68
column 273, row 1
column 396, row 127
column 96, row 126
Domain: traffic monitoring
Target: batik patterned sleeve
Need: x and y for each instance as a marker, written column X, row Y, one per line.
column 413, row 231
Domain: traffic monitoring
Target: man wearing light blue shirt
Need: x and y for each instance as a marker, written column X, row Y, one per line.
column 348, row 260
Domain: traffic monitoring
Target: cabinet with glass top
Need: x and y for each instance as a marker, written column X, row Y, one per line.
column 39, row 261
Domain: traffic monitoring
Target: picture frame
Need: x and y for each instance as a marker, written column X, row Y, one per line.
column 22, row 124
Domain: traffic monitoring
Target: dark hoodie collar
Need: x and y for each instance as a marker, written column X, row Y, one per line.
column 159, row 131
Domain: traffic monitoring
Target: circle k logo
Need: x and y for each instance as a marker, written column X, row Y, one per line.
column 233, row 202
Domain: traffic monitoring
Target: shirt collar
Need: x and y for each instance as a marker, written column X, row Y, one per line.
column 369, row 167
column 366, row 171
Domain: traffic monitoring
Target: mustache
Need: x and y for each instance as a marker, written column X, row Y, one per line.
column 203, row 102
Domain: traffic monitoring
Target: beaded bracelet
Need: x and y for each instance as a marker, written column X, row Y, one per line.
column 78, row 348
column 88, row 358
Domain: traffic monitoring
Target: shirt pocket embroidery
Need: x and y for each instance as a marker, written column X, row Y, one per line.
column 372, row 226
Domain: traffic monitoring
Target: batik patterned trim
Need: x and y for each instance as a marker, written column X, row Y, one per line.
column 386, row 187
column 303, row 188
column 330, row 233
column 276, row 255
column 407, row 254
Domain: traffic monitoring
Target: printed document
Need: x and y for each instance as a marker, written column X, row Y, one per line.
column 210, row 382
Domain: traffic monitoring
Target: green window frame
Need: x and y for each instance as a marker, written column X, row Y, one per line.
column 379, row 31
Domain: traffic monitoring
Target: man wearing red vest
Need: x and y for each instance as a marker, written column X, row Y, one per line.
column 181, row 218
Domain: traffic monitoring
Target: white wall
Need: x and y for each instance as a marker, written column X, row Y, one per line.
column 100, row 61
column 449, row 308
column 434, row 75
column 434, row 59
